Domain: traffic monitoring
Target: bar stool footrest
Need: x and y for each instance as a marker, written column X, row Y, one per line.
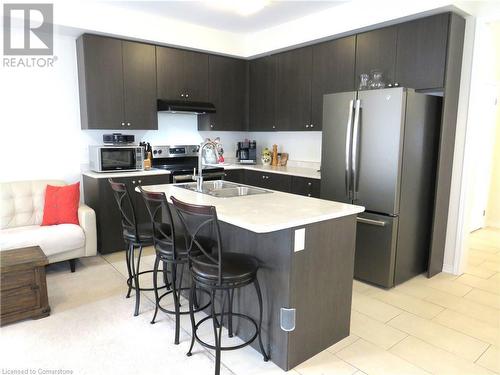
column 207, row 345
column 132, row 286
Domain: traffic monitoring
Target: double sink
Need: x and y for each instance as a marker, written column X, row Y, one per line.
column 224, row 189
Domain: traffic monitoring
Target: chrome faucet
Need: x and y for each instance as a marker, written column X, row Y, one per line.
column 199, row 178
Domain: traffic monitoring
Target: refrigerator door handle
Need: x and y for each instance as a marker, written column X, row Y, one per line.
column 355, row 149
column 348, row 143
column 378, row 223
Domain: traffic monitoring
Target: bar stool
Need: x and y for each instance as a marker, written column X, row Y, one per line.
column 135, row 235
column 170, row 249
column 214, row 270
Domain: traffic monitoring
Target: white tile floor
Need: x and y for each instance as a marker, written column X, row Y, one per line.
column 444, row 325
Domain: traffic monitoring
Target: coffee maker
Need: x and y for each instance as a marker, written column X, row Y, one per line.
column 246, row 152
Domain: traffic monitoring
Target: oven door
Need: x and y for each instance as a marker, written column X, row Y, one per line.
column 209, row 176
column 118, row 159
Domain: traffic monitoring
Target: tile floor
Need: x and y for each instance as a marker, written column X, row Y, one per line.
column 444, row 325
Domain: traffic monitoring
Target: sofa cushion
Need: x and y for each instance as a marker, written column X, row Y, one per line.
column 52, row 239
column 21, row 202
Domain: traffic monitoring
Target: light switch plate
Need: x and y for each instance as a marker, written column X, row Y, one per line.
column 299, row 242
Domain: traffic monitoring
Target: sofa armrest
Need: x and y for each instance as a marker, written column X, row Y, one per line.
column 86, row 217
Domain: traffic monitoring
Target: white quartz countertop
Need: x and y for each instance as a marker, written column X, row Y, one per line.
column 293, row 171
column 263, row 213
column 151, row 172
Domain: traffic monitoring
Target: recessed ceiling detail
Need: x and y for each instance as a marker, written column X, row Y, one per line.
column 238, row 16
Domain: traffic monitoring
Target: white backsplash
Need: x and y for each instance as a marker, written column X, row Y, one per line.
column 304, row 148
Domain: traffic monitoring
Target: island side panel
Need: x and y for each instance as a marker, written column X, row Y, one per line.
column 274, row 252
column 321, row 288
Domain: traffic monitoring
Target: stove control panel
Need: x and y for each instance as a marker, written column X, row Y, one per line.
column 174, row 151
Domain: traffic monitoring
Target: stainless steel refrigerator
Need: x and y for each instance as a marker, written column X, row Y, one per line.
column 379, row 151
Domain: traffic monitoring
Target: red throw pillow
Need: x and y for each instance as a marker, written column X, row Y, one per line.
column 61, row 204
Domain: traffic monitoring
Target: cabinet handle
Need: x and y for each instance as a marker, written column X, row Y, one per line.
column 128, row 123
column 182, row 95
column 187, row 95
column 263, row 177
column 307, row 126
column 309, row 184
column 133, row 182
column 139, row 181
column 309, row 194
column 396, row 84
column 211, row 125
column 274, row 126
column 312, row 125
column 123, row 124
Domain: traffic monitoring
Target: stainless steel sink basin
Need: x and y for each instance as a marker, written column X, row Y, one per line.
column 224, row 189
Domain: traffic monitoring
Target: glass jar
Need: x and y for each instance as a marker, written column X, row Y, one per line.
column 363, row 81
column 376, row 81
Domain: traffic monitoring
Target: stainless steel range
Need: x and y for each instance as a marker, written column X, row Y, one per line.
column 182, row 162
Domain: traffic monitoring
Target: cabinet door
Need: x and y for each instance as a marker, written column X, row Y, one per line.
column 169, row 73
column 280, row 182
column 273, row 181
column 100, row 74
column 139, row 81
column 333, row 71
column 421, row 52
column 234, row 175
column 255, row 179
column 293, row 89
column 228, row 92
column 262, row 93
column 377, row 50
column 195, row 76
column 308, row 187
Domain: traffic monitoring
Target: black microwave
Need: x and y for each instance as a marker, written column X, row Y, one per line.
column 116, row 158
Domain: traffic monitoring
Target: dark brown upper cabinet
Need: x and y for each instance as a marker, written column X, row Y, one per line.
column 376, row 50
column 293, row 89
column 139, row 85
column 333, row 71
column 421, row 52
column 227, row 90
column 181, row 74
column 262, row 85
column 117, row 82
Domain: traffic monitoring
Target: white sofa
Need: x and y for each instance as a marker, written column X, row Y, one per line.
column 21, row 213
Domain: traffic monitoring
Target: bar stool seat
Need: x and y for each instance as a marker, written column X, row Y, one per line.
column 236, row 268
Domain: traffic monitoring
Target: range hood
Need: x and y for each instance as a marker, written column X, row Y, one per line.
column 183, row 106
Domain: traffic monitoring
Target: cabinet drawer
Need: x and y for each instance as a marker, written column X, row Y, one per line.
column 20, row 299
column 11, row 280
column 272, row 181
column 305, row 186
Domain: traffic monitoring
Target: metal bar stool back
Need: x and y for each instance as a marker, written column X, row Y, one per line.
column 135, row 235
column 170, row 249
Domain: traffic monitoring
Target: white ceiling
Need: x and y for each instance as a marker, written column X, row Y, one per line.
column 200, row 13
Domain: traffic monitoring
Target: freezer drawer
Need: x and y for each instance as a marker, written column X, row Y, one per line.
column 375, row 255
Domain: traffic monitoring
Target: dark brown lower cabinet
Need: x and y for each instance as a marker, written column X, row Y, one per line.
column 305, row 186
column 234, row 175
column 308, row 187
column 273, row 181
column 99, row 196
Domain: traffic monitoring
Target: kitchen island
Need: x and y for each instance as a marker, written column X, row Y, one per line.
column 305, row 247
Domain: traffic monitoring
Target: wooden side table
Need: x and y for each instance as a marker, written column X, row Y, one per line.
column 23, row 291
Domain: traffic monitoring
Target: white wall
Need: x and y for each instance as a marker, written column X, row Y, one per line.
column 40, row 124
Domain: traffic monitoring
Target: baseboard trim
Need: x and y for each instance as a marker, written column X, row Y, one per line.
column 448, row 268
